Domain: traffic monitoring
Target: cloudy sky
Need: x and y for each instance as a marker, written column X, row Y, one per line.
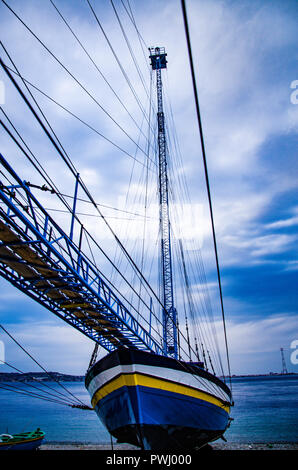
column 245, row 55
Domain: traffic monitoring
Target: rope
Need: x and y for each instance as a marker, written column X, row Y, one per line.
column 73, row 77
column 36, row 362
column 75, row 116
column 96, row 66
column 41, row 383
column 206, row 175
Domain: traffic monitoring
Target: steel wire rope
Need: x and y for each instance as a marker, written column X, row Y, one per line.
column 146, row 185
column 39, row 365
column 159, row 294
column 140, row 37
column 108, row 207
column 147, row 306
column 95, row 64
column 70, row 210
column 134, row 249
column 87, row 233
column 200, row 334
column 124, row 230
column 209, row 319
column 209, row 322
column 117, row 59
column 54, row 143
column 184, row 303
column 202, row 304
column 184, row 12
column 184, row 189
column 195, row 332
column 75, row 116
column 204, row 311
column 145, row 200
column 141, row 40
column 36, row 103
column 87, row 192
column 41, row 383
column 134, row 201
column 194, row 320
column 212, row 387
column 88, row 215
column 131, row 53
column 31, row 394
column 80, row 181
column 149, row 96
column 203, row 337
column 72, row 76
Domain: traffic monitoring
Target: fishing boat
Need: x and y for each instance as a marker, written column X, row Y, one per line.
column 156, row 388
column 23, row 441
column 157, row 402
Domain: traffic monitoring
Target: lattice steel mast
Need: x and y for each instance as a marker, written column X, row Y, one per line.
column 158, row 62
column 283, row 362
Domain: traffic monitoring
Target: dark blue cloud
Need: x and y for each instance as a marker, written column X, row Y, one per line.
column 266, row 289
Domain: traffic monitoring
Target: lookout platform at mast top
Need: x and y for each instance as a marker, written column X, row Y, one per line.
column 158, row 58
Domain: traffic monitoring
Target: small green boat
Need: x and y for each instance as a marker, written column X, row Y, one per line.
column 23, row 441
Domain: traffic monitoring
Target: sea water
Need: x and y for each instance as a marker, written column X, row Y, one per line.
column 266, row 410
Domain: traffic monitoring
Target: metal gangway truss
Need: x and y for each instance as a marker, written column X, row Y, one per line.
column 41, row 260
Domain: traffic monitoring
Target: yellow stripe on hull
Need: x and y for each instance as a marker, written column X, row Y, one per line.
column 132, row 380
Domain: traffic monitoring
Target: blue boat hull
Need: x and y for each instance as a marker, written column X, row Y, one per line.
column 159, row 419
column 154, row 403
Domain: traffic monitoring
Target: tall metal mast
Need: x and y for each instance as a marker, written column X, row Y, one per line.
column 170, row 347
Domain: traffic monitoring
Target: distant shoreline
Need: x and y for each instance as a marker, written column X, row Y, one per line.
column 39, row 377
column 56, row 376
column 271, row 374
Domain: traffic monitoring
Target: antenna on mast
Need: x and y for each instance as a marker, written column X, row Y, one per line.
column 170, row 343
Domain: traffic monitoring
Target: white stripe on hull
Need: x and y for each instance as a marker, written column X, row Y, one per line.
column 183, row 378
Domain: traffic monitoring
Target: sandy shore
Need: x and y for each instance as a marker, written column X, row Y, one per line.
column 215, row 446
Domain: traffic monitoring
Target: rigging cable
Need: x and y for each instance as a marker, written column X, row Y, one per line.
column 88, row 194
column 206, row 175
column 140, row 37
column 199, row 274
column 95, row 65
column 133, row 264
column 36, row 362
column 66, row 161
column 80, row 181
column 73, row 77
column 118, row 61
column 74, row 115
column 196, row 259
column 12, row 388
column 55, row 135
column 87, row 235
column 71, row 402
column 132, row 54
